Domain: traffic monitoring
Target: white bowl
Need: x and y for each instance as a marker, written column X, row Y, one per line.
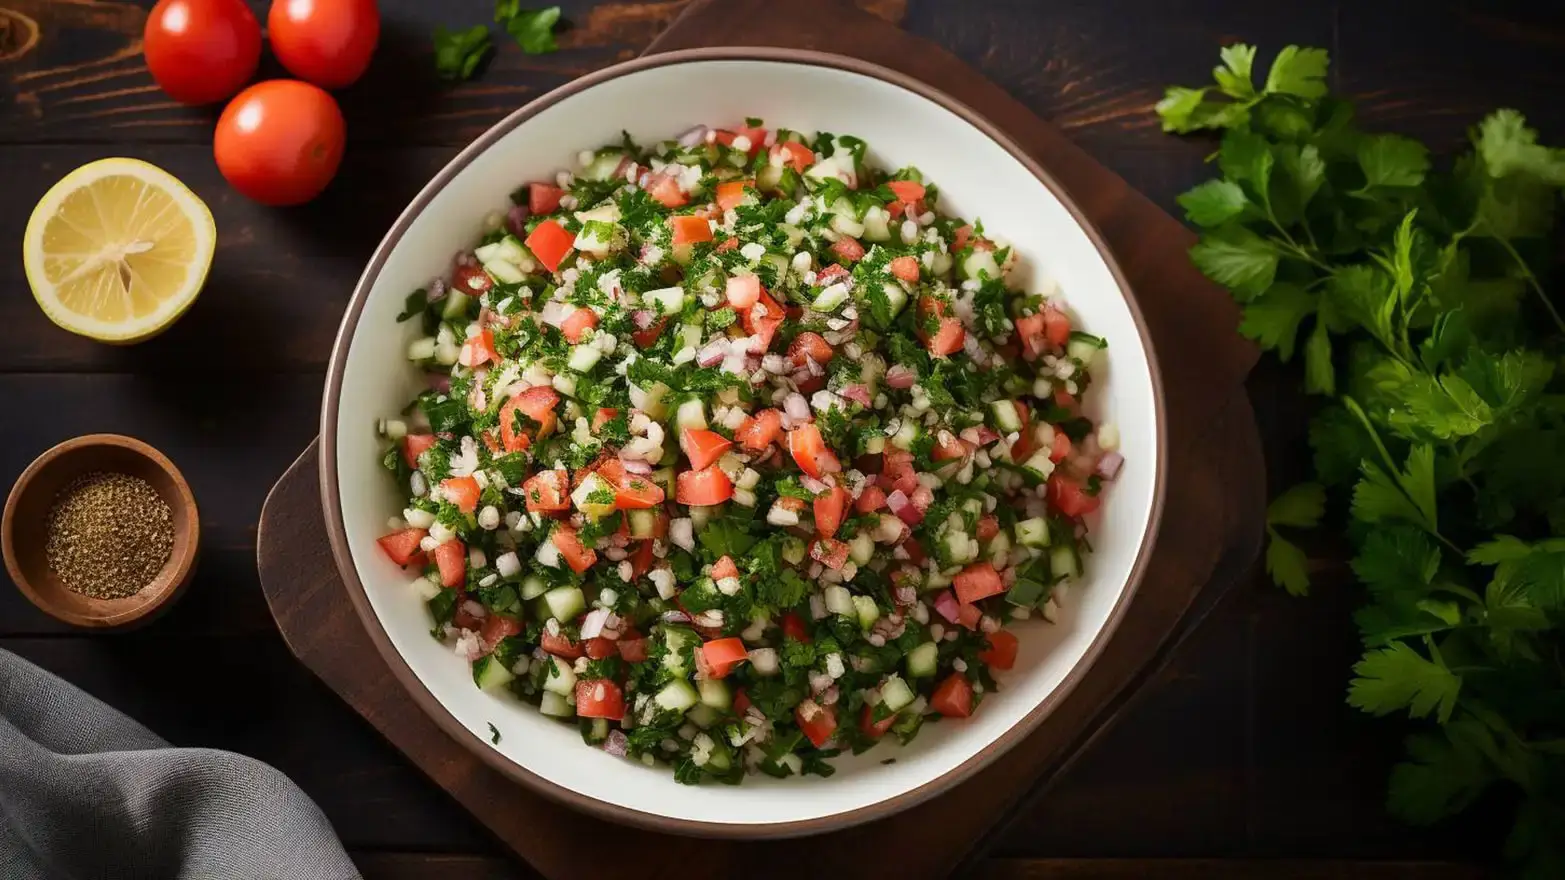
column 980, row 174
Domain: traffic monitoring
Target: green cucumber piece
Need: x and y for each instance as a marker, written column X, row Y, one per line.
column 561, row 679
column 923, row 660
column 490, row 674
column 565, row 603
column 895, row 694
column 676, row 696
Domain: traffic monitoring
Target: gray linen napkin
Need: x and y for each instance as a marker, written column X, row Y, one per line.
column 86, row 793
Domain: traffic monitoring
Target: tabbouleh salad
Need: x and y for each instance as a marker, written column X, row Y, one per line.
column 737, row 453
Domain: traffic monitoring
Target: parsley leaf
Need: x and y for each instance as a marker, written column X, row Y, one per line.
column 1238, row 259
column 532, row 29
column 459, row 53
column 1397, row 677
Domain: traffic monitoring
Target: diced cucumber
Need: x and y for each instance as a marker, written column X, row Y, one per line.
column 1033, row 532
column 564, row 384
column 565, row 603
column 778, row 262
column 595, row 731
column 980, row 264
column 561, row 679
column 691, row 415
column 555, row 705
column 1027, row 592
column 1040, row 463
column 486, row 252
column 907, row 434
column 793, row 233
column 457, row 305
column 505, row 271
column 490, row 674
column 690, row 335
column 1084, row 347
column 678, row 642
column 957, row 548
column 875, row 445
column 999, row 548
column 703, row 716
column 838, row 600
column 602, row 167
column 715, row 693
column 598, row 238
column 877, row 224
column 895, row 694
column 643, row 524
column 721, row 760
column 510, row 249
column 831, row 298
column 533, row 586
column 666, row 478
column 676, row 696
column 583, row 358
column 652, row 400
column 767, row 178
column 700, row 515
column 866, row 609
column 594, row 497
column 922, row 660
column 862, row 548
column 974, row 506
column 422, row 349
column 1005, row 417
column 1063, row 562
column 896, row 297
column 794, row 550
column 667, row 300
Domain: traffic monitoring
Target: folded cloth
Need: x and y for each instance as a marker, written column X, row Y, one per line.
column 86, row 793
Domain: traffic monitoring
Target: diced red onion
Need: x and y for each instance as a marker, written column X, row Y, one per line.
column 815, row 486
column 555, row 312
column 465, row 258
column 516, row 220
column 945, row 604
column 675, row 617
column 901, row 377
column 625, row 162
column 1109, row 465
column 693, row 137
column 796, row 406
column 436, row 290
column 636, row 466
column 987, row 435
column 898, row 501
column 905, row 595
column 474, row 608
column 617, row 743
column 439, row 382
column 859, row 394
column 712, row 354
column 592, row 624
column 643, row 319
column 922, row 497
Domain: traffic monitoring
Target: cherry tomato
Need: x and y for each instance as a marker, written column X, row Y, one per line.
column 201, row 51
column 279, row 142
column 328, row 42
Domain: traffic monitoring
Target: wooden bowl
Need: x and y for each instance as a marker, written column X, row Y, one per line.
column 24, row 539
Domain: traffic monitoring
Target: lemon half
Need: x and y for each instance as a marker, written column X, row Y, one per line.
column 117, row 250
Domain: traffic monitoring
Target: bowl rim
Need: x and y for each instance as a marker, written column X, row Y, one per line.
column 331, row 500
column 170, row 583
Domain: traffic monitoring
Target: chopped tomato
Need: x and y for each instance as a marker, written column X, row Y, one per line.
column 742, row 702
column 413, row 445
column 577, row 555
column 872, row 728
column 497, row 627
column 722, row 655
column 599, row 648
column 703, row 488
column 1056, row 326
column 402, row 546
column 478, row 349
column 760, row 431
column 848, row 248
column 600, row 698
column 1029, row 329
column 870, row 500
column 808, row 384
column 948, row 446
column 810, row 452
column 665, row 189
column 756, row 137
column 1001, row 650
column 603, row 416
column 954, row 697
column 461, row 618
column 536, row 403
column 559, row 645
column 730, row 193
column 633, row 650
column 461, row 491
column 690, row 229
column 809, row 346
column 816, row 721
column 471, row 280
column 724, row 568
column 948, row 336
column 906, row 190
column 968, row 615
column 830, row 552
column 1061, row 447
column 547, row 492
column 988, row 527
column 897, row 471
column 793, row 627
column 641, row 559
column 960, row 238
column 829, row 507
column 905, row 268
column 631, row 491
column 762, row 319
column 550, row 242
column 743, row 291
column 1062, row 398
column 578, row 325
column 543, row 198
column 728, row 244
column 795, row 154
column 646, row 338
column 703, row 447
column 977, row 581
column 831, row 273
column 1070, row 497
column 452, row 559
column 915, row 551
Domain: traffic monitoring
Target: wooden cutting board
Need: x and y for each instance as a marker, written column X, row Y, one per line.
column 1210, row 534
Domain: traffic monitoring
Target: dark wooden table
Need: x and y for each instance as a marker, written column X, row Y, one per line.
column 1241, row 760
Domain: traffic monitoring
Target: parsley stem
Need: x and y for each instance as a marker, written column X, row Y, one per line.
column 1532, row 280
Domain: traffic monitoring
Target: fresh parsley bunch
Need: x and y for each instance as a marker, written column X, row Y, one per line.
column 1428, row 329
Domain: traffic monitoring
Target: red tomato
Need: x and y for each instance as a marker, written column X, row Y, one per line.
column 724, row 568
column 666, row 191
column 954, row 697
column 578, row 325
column 560, row 646
column 742, row 703
column 413, row 445
column 328, row 42
column 603, row 416
column 948, row 446
column 794, row 154
column 968, row 615
column 722, row 655
column 848, row 248
column 829, row 507
column 703, row 447
column 988, row 527
column 728, row 244
column 809, row 451
column 402, row 546
column 599, row 648
column 872, row 728
column 452, row 559
column 906, row 190
column 536, row 403
column 793, row 627
column 730, row 193
column 497, row 627
column 831, row 273
column 690, row 229
column 478, row 350
column 641, row 559
column 471, row 280
column 550, row 243
column 547, row 492
column 201, row 51
column 637, row 493
column 463, row 492
column 816, row 721
column 870, row 500
column 743, row 291
column 763, row 319
column 1061, row 447
column 600, row 699
column 960, row 238
column 760, row 431
column 461, row 619
column 646, row 338
column 543, row 198
column 977, row 581
column 577, row 555
column 1069, row 497
column 950, row 335
column 756, row 137
column 280, row 142
column 809, row 346
column 905, row 268
column 1001, row 651
column 633, row 650
column 703, row 488
column 1056, row 326
column 830, row 552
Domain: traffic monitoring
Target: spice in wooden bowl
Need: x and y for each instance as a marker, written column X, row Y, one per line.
column 109, row 535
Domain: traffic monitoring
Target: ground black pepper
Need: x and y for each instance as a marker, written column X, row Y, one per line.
column 109, row 535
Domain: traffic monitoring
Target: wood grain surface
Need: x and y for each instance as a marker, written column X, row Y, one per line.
column 1241, row 748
